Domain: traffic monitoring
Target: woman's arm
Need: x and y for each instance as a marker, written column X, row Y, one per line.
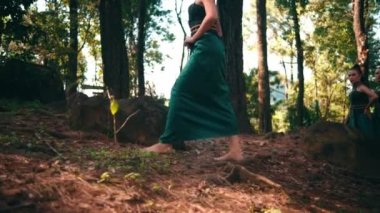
column 370, row 93
column 209, row 20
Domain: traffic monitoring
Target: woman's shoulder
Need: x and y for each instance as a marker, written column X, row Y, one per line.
column 362, row 87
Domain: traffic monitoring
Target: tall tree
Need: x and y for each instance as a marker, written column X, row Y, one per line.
column 114, row 51
column 155, row 32
column 358, row 9
column 231, row 13
column 265, row 118
column 72, row 83
column 141, row 47
column 291, row 5
column 300, row 58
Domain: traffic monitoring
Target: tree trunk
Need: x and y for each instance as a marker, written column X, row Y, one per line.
column 72, row 80
column 231, row 21
column 265, row 120
column 300, row 58
column 141, row 48
column 358, row 7
column 114, row 51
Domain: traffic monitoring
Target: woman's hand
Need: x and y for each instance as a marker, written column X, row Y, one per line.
column 367, row 112
column 189, row 41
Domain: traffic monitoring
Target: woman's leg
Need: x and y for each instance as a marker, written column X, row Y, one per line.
column 235, row 151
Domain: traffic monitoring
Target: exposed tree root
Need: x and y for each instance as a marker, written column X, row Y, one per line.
column 241, row 174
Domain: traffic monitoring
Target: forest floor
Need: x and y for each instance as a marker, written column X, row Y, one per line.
column 46, row 167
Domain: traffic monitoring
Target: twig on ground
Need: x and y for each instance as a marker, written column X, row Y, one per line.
column 48, row 144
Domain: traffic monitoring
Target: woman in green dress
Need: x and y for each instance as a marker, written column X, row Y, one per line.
column 361, row 98
column 200, row 105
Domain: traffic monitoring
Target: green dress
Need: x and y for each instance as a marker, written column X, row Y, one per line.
column 376, row 114
column 200, row 106
column 357, row 119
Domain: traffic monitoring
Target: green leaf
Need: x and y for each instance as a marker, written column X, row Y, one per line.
column 114, row 106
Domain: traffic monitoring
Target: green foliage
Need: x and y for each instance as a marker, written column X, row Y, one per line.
column 373, row 27
column 9, row 139
column 15, row 105
column 14, row 141
column 288, row 4
column 311, row 116
column 251, row 83
column 11, row 18
column 128, row 160
column 329, row 51
column 45, row 37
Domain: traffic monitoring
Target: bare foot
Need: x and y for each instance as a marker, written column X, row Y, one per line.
column 160, row 148
column 235, row 152
column 234, row 156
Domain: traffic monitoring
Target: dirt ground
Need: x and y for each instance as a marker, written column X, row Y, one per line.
column 46, row 167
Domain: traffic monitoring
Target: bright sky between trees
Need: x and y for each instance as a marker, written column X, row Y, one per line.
column 164, row 80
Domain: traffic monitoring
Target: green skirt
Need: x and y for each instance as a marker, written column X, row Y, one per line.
column 376, row 120
column 200, row 106
column 361, row 122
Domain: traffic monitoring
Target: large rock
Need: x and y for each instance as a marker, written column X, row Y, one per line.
column 27, row 81
column 89, row 114
column 343, row 146
column 143, row 128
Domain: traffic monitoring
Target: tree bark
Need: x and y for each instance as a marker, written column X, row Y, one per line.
column 141, row 48
column 231, row 21
column 72, row 80
column 265, row 118
column 114, row 51
column 358, row 7
column 300, row 58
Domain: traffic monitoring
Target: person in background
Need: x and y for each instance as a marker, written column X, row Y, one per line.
column 361, row 98
column 376, row 113
column 200, row 105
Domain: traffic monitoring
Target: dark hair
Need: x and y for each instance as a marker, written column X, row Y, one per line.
column 357, row 68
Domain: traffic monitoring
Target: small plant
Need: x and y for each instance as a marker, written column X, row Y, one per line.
column 132, row 176
column 114, row 108
column 156, row 187
column 15, row 105
column 105, row 177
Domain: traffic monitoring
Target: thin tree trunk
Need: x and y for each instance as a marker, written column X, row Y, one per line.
column 132, row 48
column 178, row 12
column 231, row 21
column 72, row 82
column 286, row 80
column 141, row 48
column 114, row 51
column 360, row 36
column 265, row 120
column 300, row 59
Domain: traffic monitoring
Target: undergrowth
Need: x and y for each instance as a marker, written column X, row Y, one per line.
column 127, row 160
